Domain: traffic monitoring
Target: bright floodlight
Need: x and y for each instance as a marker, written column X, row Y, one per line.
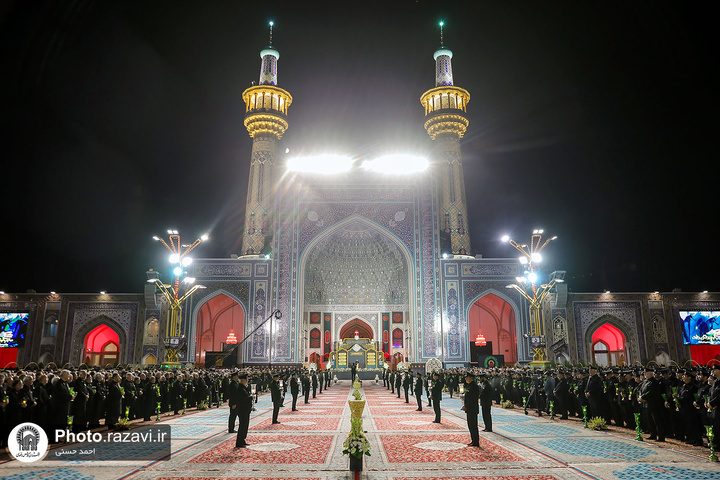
column 505, row 238
column 395, row 164
column 102, row 293
column 326, row 163
column 156, row 238
column 523, row 260
column 205, row 237
column 186, row 261
column 521, row 279
column 177, row 271
column 174, row 258
column 189, row 280
column 536, row 257
column 532, row 276
column 272, row 23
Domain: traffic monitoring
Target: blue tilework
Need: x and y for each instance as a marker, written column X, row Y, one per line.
column 510, row 418
column 179, row 431
column 661, row 472
column 541, row 429
column 50, row 474
column 610, row 449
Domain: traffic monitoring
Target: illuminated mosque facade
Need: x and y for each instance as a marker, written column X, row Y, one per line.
column 357, row 255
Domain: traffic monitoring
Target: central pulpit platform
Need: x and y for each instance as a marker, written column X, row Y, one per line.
column 362, row 351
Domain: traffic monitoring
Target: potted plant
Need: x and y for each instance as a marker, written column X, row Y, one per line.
column 356, row 445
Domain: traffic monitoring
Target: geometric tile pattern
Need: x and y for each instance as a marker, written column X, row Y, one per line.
column 279, row 449
column 504, row 417
column 610, row 449
column 660, row 472
column 180, row 431
column 538, row 429
column 442, row 448
column 492, row 477
column 51, row 474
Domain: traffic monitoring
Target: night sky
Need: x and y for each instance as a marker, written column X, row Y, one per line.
column 593, row 120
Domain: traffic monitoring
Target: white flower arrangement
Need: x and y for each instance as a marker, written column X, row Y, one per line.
column 356, row 443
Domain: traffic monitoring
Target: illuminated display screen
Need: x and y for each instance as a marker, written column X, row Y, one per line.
column 12, row 329
column 701, row 328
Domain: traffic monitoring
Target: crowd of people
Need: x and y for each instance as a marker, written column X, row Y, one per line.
column 82, row 399
column 670, row 402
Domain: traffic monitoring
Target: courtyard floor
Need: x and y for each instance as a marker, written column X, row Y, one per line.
column 405, row 443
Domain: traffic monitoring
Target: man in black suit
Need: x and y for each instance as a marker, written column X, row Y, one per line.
column 234, row 400
column 427, row 390
column 314, row 383
column 276, row 396
column 353, row 371
column 486, row 396
column 398, row 383
column 418, row 391
column 470, row 407
column 561, row 395
column 60, row 402
column 392, row 382
column 321, row 379
column 294, row 390
column 407, row 384
column 436, row 393
column 594, row 392
column 306, row 387
column 113, row 405
column 650, row 396
column 244, row 408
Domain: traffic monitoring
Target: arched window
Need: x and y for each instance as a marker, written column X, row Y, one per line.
column 101, row 346
column 50, row 327
column 397, row 336
column 315, row 336
column 152, row 331
column 659, row 333
column 608, row 346
column 558, row 329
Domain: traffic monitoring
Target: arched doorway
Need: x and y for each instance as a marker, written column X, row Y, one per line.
column 316, row 359
column 495, row 317
column 215, row 319
column 356, row 325
column 101, row 346
column 609, row 346
column 149, row 359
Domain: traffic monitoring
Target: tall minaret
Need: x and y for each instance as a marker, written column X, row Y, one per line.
column 446, row 124
column 266, row 120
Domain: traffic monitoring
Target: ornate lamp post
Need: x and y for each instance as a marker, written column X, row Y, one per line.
column 177, row 292
column 534, row 292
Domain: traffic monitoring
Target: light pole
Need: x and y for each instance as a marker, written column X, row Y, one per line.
column 174, row 341
column 535, row 293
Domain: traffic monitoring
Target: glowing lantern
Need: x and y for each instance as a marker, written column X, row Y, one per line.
column 231, row 338
column 480, row 339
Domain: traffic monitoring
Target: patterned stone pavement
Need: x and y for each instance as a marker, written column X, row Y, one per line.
column 405, row 445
